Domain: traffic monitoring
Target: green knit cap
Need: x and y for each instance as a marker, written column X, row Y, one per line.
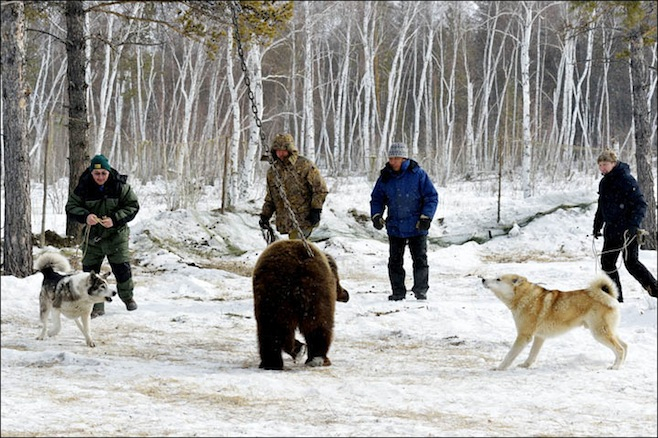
column 100, row 162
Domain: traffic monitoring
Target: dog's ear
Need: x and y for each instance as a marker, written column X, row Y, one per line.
column 105, row 275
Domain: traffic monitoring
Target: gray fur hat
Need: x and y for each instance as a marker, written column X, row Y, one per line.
column 398, row 150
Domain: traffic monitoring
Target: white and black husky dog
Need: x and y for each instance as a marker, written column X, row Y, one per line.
column 73, row 295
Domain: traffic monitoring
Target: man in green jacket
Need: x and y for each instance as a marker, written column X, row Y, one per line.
column 105, row 202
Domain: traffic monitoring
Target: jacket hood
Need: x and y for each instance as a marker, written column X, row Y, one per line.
column 620, row 169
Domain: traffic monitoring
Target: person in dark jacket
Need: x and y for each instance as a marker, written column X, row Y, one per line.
column 304, row 189
column 621, row 209
column 105, row 202
column 406, row 191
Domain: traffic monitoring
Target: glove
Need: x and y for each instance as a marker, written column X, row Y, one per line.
column 314, row 216
column 632, row 232
column 264, row 222
column 423, row 223
column 378, row 221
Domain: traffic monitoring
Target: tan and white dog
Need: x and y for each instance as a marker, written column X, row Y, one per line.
column 541, row 313
column 73, row 295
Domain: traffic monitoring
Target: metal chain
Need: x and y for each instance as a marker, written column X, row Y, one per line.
column 235, row 7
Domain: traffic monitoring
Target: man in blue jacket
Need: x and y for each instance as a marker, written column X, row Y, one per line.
column 411, row 199
column 620, row 212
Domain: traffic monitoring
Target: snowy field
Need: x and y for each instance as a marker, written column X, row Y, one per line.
column 186, row 362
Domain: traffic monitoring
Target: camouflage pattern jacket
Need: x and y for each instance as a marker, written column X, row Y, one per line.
column 304, row 188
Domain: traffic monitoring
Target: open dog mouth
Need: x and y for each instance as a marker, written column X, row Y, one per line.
column 109, row 299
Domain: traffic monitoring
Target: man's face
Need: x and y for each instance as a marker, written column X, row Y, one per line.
column 605, row 167
column 396, row 163
column 281, row 154
column 100, row 176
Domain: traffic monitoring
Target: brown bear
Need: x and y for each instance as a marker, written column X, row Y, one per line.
column 293, row 289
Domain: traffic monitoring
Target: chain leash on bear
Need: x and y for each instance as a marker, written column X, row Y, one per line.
column 235, row 8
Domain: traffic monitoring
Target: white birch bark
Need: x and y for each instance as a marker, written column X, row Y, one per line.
column 388, row 130
column 308, row 126
column 234, row 145
column 340, row 115
column 113, row 51
column 47, row 91
column 491, row 61
column 526, row 32
column 368, row 107
column 115, row 150
column 251, row 155
column 422, row 83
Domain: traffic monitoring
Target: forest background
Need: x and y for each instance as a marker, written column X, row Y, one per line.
column 170, row 91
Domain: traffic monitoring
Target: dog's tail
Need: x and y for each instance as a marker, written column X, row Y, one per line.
column 52, row 261
column 604, row 284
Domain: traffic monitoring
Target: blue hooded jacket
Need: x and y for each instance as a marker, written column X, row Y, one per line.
column 407, row 195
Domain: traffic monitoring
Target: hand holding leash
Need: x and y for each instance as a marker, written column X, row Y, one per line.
column 105, row 221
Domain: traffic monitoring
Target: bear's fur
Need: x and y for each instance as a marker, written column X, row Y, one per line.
column 294, row 290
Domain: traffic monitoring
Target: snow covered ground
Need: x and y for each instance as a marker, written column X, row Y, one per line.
column 186, row 362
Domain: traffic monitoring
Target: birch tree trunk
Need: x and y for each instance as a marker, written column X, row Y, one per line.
column 308, row 123
column 493, row 50
column 48, row 91
column 343, row 160
column 251, row 156
column 526, row 32
column 17, row 244
column 234, row 171
column 110, row 67
column 191, row 68
column 394, row 77
column 422, row 85
column 368, row 85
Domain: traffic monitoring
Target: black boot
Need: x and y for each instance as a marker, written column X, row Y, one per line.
column 131, row 304
column 653, row 290
column 98, row 310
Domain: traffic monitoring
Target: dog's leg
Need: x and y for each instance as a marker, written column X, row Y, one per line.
column 519, row 344
column 85, row 327
column 611, row 341
column 44, row 314
column 534, row 351
column 57, row 322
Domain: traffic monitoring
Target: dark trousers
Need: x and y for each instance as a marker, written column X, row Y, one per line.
column 396, row 273
column 613, row 245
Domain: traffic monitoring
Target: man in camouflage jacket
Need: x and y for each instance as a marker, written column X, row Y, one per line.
column 304, row 188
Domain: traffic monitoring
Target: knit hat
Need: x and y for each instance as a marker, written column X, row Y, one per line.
column 398, row 150
column 607, row 155
column 100, row 162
